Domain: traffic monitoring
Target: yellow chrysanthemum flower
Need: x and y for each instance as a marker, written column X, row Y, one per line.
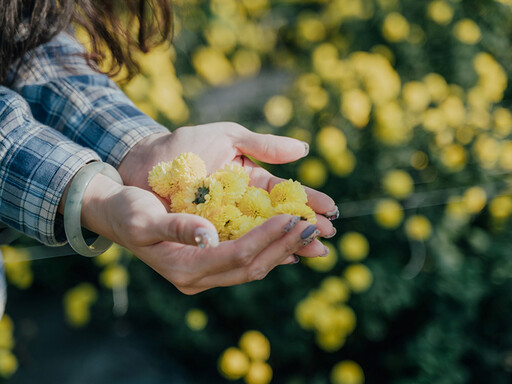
column 288, row 191
column 179, row 202
column 234, row 180
column 161, row 181
column 225, row 218
column 246, row 225
column 256, row 202
column 187, row 168
column 297, row 209
column 202, row 195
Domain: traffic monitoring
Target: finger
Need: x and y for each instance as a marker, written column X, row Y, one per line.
column 260, row 177
column 240, row 253
column 325, row 226
column 270, row 148
column 187, row 229
column 274, row 254
column 315, row 249
column 290, row 260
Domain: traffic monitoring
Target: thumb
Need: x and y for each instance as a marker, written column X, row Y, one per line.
column 188, row 229
column 270, row 148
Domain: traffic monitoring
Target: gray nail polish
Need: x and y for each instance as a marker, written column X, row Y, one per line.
column 309, row 234
column 334, row 214
column 332, row 234
column 291, row 224
column 206, row 238
column 326, row 252
column 308, row 231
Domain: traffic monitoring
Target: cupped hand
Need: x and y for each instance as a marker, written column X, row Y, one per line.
column 221, row 143
column 168, row 242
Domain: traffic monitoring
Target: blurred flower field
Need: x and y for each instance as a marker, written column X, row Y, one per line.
column 406, row 107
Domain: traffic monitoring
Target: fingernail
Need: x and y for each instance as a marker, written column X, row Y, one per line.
column 326, row 252
column 295, row 261
column 332, row 234
column 309, row 234
column 334, row 214
column 306, row 148
column 206, row 238
column 291, row 224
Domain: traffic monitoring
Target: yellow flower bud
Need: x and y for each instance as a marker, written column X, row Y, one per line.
column 347, row 372
column 398, row 184
column 416, row 96
column 437, row 86
column 356, row 106
column 233, row 363
column 312, row 172
column 343, row 164
column 330, row 341
column 395, row 27
column 335, row 289
column 388, row 213
column 467, row 31
column 255, row 345
column 196, row 319
column 440, row 11
column 501, row 207
column 418, row 228
column 330, row 141
column 323, row 264
column 358, row 277
column 353, row 246
column 454, row 157
column 475, row 199
column 8, row 363
column 110, row 256
column 278, row 110
column 259, row 373
column 114, row 276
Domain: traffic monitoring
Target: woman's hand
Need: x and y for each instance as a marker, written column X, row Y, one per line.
column 222, row 143
column 139, row 221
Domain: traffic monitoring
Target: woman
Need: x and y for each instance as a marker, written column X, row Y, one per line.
column 58, row 113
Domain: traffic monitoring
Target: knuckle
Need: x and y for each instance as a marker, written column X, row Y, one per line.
column 177, row 231
column 290, row 248
column 182, row 282
column 234, row 125
column 242, row 258
column 257, row 272
column 190, row 291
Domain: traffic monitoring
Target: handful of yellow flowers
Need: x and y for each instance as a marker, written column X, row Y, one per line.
column 225, row 197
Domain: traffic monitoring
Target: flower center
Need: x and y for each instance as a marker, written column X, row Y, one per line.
column 201, row 195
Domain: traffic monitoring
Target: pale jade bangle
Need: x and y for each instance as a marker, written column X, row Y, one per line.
column 73, row 208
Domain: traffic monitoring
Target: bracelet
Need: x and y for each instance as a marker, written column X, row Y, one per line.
column 73, row 208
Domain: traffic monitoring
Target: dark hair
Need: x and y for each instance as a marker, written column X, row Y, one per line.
column 26, row 24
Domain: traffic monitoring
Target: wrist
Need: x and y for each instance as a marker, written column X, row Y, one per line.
column 139, row 158
column 95, row 205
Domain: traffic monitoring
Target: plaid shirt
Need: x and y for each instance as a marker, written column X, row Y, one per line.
column 59, row 115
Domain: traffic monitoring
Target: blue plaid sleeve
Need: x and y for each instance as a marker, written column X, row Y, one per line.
column 36, row 164
column 86, row 106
